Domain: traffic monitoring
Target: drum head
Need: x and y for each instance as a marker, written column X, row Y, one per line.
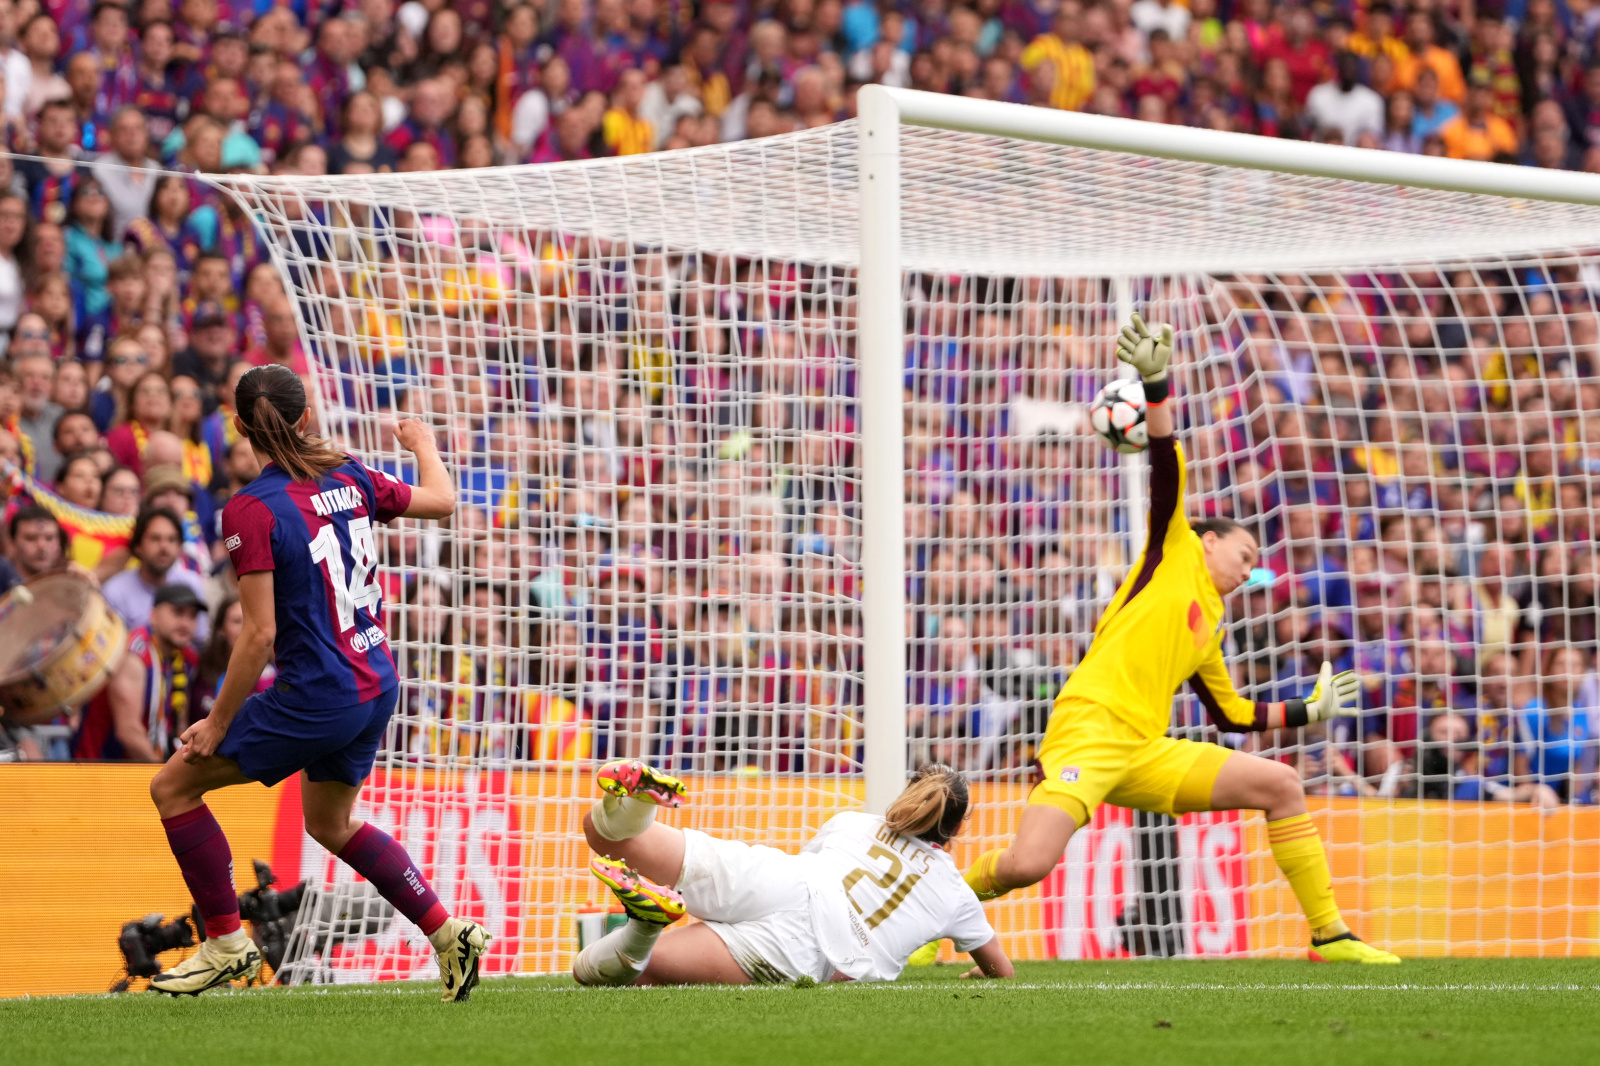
column 29, row 632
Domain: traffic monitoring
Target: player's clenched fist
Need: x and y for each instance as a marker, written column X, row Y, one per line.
column 1335, row 696
column 1146, row 352
column 413, row 435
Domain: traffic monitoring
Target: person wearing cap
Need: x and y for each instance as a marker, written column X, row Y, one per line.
column 212, row 340
column 157, row 544
column 145, row 706
column 166, row 486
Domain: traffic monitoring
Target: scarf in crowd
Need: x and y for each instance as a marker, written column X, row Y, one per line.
column 94, row 534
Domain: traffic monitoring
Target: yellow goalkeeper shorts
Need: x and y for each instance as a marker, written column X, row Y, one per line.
column 1090, row 756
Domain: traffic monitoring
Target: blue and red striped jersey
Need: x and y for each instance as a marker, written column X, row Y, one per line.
column 317, row 537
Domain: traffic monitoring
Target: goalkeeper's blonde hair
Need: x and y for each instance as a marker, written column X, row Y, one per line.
column 932, row 807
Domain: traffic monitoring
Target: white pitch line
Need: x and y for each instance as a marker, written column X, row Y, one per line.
column 493, row 986
column 1086, row 986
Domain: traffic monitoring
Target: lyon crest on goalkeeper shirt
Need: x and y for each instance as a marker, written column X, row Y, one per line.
column 1165, row 621
column 317, row 538
column 897, row 894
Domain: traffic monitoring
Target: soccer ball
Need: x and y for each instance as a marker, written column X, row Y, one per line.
column 1117, row 415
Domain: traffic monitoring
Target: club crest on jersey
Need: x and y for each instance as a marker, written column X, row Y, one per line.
column 1069, row 774
column 1197, row 624
column 343, row 498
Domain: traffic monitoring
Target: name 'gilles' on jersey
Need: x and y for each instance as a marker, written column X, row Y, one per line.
column 331, row 639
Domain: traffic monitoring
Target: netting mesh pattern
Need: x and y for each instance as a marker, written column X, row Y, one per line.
column 643, row 375
column 971, row 203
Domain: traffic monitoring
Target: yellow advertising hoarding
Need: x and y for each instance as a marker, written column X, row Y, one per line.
column 84, row 852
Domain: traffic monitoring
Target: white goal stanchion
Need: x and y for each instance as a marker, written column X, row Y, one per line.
column 774, row 471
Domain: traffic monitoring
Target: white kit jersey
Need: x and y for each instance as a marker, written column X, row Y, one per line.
column 884, row 895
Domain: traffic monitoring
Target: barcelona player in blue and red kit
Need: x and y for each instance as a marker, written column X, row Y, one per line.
column 302, row 542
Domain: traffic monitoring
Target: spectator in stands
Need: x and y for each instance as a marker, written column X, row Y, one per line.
column 1478, row 133
column 156, row 543
column 124, row 170
column 1346, row 106
column 38, row 543
column 145, row 706
column 35, row 377
column 149, row 410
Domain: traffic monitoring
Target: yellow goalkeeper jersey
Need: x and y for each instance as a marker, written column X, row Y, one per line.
column 1164, row 625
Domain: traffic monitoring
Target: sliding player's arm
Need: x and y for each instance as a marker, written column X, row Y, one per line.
column 991, row 961
column 1335, row 696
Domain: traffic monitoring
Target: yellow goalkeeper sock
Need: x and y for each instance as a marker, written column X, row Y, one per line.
column 1297, row 849
column 980, row 876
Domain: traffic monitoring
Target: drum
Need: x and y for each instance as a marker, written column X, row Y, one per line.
column 59, row 642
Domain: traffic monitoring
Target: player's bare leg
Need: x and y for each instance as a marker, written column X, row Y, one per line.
column 329, row 809
column 656, row 853
column 1246, row 782
column 1040, row 842
column 198, row 843
column 619, row 957
column 622, row 823
column 693, row 955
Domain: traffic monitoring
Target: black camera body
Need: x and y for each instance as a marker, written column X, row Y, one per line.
column 143, row 940
column 271, row 915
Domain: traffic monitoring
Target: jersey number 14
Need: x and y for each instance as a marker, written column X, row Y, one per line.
column 358, row 591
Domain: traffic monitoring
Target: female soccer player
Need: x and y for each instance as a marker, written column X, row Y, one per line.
column 856, row 901
column 301, row 539
column 1107, row 742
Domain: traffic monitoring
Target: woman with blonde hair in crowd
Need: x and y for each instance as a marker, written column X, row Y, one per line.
column 188, row 416
column 50, row 297
column 149, row 410
column 162, row 229
column 861, row 896
column 163, row 296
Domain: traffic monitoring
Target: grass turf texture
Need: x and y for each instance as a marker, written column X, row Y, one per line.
column 1439, row 1010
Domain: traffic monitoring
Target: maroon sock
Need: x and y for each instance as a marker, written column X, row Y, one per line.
column 373, row 854
column 207, row 864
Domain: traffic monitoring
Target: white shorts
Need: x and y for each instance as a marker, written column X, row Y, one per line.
column 757, row 900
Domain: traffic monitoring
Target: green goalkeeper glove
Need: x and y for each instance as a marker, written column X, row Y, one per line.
column 1146, row 352
column 1335, row 696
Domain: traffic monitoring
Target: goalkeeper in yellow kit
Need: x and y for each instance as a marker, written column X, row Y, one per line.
column 1107, row 742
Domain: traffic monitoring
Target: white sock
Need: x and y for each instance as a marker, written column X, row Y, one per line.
column 233, row 942
column 441, row 937
column 621, row 817
column 619, row 957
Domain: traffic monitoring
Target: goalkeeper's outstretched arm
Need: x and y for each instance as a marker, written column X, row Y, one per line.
column 1149, row 353
column 1335, row 696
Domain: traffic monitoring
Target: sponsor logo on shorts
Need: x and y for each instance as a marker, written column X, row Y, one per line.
column 369, row 637
column 1069, row 774
column 233, row 542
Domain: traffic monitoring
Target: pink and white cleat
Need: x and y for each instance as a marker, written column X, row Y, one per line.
column 630, row 777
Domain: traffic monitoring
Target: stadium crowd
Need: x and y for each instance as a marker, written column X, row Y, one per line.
column 1450, row 558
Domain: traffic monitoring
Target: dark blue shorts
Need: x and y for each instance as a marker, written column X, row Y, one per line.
column 271, row 741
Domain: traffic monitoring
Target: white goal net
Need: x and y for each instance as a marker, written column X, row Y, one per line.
column 644, row 373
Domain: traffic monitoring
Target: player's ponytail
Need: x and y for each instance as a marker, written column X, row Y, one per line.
column 932, row 807
column 270, row 400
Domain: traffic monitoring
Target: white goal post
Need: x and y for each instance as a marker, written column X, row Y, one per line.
column 882, row 112
column 773, row 470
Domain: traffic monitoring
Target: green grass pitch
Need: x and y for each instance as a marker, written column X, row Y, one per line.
column 1230, row 1013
